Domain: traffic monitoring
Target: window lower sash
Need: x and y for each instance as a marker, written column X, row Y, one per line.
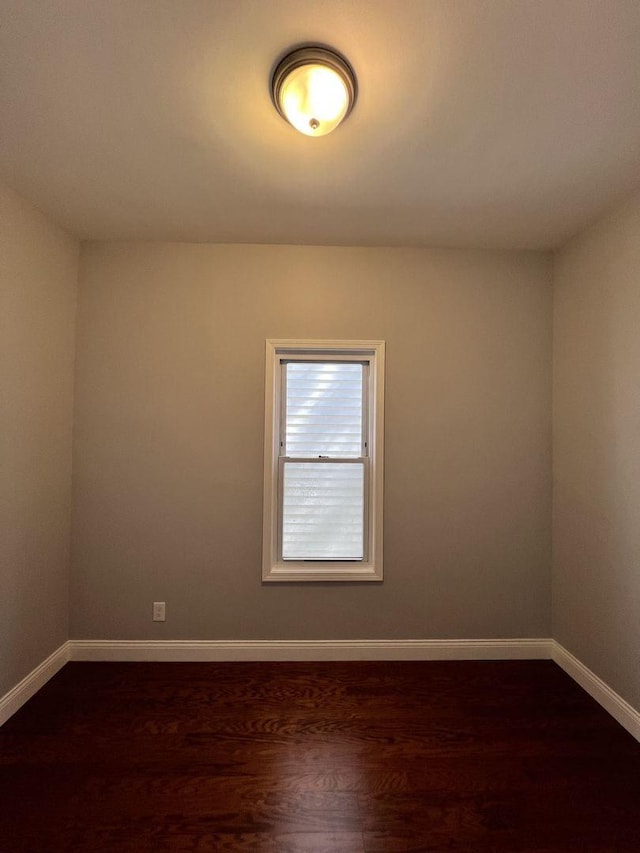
column 323, row 510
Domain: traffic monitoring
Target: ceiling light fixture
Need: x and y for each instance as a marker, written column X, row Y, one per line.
column 314, row 89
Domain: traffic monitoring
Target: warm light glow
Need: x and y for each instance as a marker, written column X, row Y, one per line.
column 314, row 99
column 314, row 88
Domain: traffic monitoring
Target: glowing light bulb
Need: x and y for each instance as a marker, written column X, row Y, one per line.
column 314, row 89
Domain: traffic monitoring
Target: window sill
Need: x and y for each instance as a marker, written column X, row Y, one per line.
column 311, row 571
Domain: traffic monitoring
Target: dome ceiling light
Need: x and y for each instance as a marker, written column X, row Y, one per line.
column 314, row 89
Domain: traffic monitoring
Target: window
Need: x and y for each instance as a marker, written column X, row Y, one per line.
column 323, row 461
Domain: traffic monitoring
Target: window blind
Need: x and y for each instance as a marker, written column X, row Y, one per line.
column 323, row 502
column 324, row 409
column 323, row 506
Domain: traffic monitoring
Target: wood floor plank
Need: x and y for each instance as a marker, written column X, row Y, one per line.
column 310, row 757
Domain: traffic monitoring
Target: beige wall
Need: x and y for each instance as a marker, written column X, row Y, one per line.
column 169, row 421
column 169, row 439
column 596, row 602
column 38, row 276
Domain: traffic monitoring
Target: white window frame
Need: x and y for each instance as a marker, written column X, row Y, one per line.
column 370, row 568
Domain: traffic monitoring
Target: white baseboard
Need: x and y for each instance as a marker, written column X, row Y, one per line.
column 611, row 701
column 31, row 683
column 266, row 650
column 322, row 650
column 308, row 650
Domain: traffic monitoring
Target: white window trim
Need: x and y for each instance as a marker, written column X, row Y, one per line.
column 371, row 568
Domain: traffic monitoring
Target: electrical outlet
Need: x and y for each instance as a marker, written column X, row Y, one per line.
column 159, row 611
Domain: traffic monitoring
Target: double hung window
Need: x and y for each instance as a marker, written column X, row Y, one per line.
column 323, row 461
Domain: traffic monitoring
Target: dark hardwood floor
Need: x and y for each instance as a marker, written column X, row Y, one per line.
column 308, row 757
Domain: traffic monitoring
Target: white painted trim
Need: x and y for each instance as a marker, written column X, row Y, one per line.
column 327, row 650
column 31, row 683
column 273, row 568
column 308, row 650
column 611, row 701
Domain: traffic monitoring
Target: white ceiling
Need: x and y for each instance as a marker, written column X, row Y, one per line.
column 498, row 123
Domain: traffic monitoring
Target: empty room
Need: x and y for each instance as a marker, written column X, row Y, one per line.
column 320, row 395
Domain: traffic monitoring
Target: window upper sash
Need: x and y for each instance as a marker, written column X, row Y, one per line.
column 324, row 408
